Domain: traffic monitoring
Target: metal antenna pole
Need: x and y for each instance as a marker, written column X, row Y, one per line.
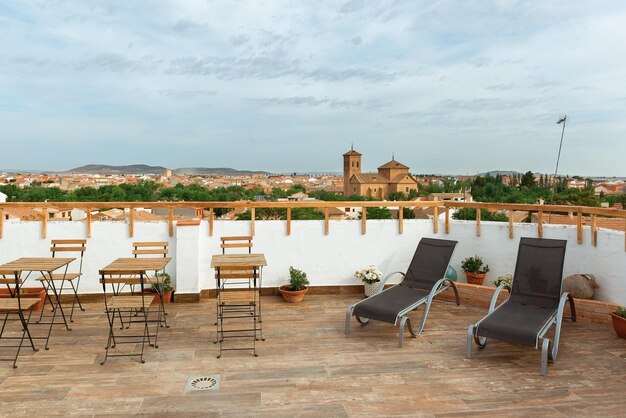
column 563, row 120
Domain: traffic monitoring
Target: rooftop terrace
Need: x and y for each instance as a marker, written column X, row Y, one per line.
column 308, row 367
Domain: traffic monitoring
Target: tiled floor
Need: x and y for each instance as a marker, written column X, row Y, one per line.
column 307, row 367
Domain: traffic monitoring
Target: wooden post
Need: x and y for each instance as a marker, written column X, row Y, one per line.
column 171, row 221
column 131, row 222
column 288, row 221
column 1, row 222
column 88, row 224
column 252, row 219
column 326, row 223
column 447, row 224
column 400, row 219
column 540, row 224
column 44, row 222
column 211, row 216
column 363, row 220
column 510, row 224
column 579, row 227
column 594, row 231
column 478, row 215
column 435, row 219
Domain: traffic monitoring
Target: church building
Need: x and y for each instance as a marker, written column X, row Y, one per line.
column 391, row 177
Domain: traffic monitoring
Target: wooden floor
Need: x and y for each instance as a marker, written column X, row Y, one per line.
column 307, row 367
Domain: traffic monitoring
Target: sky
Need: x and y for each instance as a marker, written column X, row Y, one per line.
column 456, row 87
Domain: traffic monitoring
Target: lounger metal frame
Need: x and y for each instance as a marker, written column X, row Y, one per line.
column 556, row 318
column 401, row 317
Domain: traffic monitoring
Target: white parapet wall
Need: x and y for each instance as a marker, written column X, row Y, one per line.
column 327, row 259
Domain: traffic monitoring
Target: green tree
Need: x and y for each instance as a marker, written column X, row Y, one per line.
column 377, row 213
column 528, row 180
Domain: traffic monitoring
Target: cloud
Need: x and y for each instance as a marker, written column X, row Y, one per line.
column 402, row 74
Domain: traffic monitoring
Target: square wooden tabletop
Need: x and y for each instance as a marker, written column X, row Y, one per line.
column 135, row 265
column 238, row 260
column 47, row 264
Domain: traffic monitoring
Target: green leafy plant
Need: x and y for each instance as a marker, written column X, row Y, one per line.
column 474, row 265
column 297, row 279
column 164, row 283
column 505, row 279
column 621, row 311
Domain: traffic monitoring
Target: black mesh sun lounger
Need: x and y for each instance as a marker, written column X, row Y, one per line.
column 535, row 303
column 422, row 282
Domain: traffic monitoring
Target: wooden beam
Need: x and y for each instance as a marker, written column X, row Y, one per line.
column 171, row 221
column 326, row 223
column 288, row 221
column 88, row 222
column 540, row 224
column 594, row 231
column 252, row 219
column 447, row 224
column 131, row 222
column 211, row 217
column 400, row 219
column 1, row 222
column 579, row 227
column 363, row 221
column 44, row 222
column 435, row 219
column 510, row 224
column 478, row 215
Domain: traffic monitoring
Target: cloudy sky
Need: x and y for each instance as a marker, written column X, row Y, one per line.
column 448, row 86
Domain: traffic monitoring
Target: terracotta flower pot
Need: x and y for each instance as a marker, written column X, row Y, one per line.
column 619, row 323
column 475, row 278
column 29, row 292
column 167, row 296
column 292, row 296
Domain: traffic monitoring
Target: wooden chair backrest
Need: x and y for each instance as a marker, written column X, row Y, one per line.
column 244, row 241
column 150, row 248
column 68, row 245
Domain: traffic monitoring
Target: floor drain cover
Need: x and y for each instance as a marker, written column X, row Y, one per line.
column 204, row 382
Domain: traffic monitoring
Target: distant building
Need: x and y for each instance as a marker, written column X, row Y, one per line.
column 391, row 177
column 454, row 197
column 3, row 197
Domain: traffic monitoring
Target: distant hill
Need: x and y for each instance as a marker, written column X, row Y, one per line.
column 501, row 173
column 158, row 170
column 204, row 171
column 118, row 169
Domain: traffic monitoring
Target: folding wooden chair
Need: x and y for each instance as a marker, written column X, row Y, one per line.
column 68, row 247
column 136, row 306
column 18, row 306
column 154, row 249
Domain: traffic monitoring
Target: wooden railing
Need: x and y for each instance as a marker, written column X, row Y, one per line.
column 437, row 206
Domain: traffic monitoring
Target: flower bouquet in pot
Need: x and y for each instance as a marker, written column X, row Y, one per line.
column 371, row 277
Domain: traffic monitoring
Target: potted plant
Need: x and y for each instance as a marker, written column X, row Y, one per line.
column 297, row 287
column 28, row 292
column 474, row 269
column 619, row 321
column 370, row 276
column 163, row 285
column 505, row 279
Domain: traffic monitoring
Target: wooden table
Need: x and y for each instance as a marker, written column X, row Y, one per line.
column 129, row 268
column 46, row 266
column 238, row 260
column 136, row 266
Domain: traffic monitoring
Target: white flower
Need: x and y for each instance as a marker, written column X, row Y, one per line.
column 369, row 274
